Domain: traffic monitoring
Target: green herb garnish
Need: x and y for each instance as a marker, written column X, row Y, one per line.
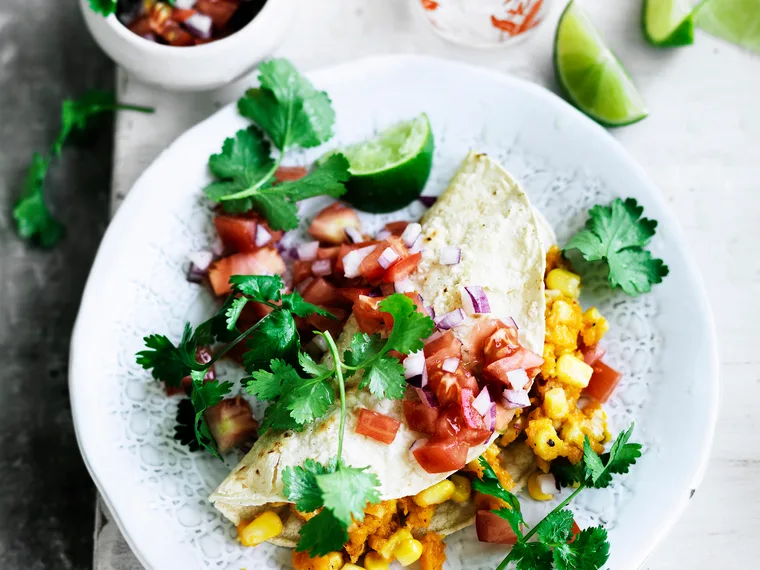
column 289, row 113
column 590, row 549
column 616, row 235
column 32, row 216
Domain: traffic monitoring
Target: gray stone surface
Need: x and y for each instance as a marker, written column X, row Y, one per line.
column 46, row 496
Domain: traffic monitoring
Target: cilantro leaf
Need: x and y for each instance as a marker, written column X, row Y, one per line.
column 532, row 556
column 310, row 400
column 322, row 534
column 555, row 528
column 621, row 456
column 274, row 337
column 514, row 518
column 204, row 396
column 589, row 551
column 268, row 386
column 164, row 360
column 32, row 216
column 300, row 485
column 616, row 235
column 327, row 179
column 385, row 378
column 311, row 367
column 410, row 328
column 347, row 490
column 490, row 485
column 214, row 329
column 103, row 7
column 566, row 473
column 234, row 311
column 288, row 108
column 294, row 303
column 260, row 288
column 363, row 347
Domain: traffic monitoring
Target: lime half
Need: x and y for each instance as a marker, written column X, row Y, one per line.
column 736, row 21
column 592, row 78
column 390, row 171
column 668, row 23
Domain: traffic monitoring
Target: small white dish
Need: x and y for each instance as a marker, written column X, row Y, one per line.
column 196, row 68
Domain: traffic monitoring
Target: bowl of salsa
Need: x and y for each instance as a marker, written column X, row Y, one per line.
column 188, row 45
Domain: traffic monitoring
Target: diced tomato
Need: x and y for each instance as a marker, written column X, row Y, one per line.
column 231, row 422
column 328, row 252
column 444, row 385
column 377, row 426
column 501, row 344
column 575, row 530
column 345, row 248
column 180, row 14
column 494, row 529
column 353, row 293
column 219, row 11
column 442, row 456
column 420, row 417
column 370, row 267
column 488, row 502
column 402, row 269
column 322, row 323
column 330, row 224
column 523, row 358
column 592, row 354
column 472, row 417
column 368, row 316
column 290, row 173
column 450, row 424
column 396, row 228
column 445, row 346
column 503, row 417
column 265, row 261
column 603, row 382
column 474, row 345
column 237, row 234
column 301, row 271
column 141, row 26
column 322, row 293
column 177, row 36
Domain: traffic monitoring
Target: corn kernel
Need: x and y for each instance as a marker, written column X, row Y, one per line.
column 395, row 539
column 462, row 488
column 595, row 326
column 373, row 561
column 408, row 552
column 435, row 495
column 543, row 438
column 573, row 371
column 555, row 403
column 534, row 487
column 264, row 527
column 349, row 566
column 564, row 281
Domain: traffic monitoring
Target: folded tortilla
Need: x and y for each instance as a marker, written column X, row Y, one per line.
column 487, row 215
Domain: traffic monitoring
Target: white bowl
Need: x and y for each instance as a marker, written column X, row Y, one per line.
column 196, row 68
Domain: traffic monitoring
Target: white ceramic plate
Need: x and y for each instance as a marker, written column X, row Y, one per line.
column 663, row 342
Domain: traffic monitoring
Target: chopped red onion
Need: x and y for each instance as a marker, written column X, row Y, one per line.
column 548, row 484
column 303, row 285
column 199, row 25
column 490, row 418
column 474, row 300
column 450, row 255
column 414, row 364
column 427, row 397
column 320, row 341
column 201, row 259
column 450, row 364
column 354, row 235
column 411, row 233
column 388, row 257
column 194, row 275
column 450, row 320
column 419, row 381
column 383, row 235
column 308, row 251
column 321, row 267
column 516, row 399
column 518, row 379
column 483, row 402
column 416, row 247
column 430, row 311
column 404, row 286
column 428, row 201
column 435, row 336
column 217, row 248
column 353, row 259
column 263, row 237
column 184, row 4
column 510, row 322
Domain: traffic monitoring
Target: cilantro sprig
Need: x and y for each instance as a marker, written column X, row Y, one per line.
column 31, row 213
column 553, row 547
column 616, row 235
column 275, row 335
column 288, row 113
column 341, row 491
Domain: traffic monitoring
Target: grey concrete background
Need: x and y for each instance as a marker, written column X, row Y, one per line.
column 46, row 496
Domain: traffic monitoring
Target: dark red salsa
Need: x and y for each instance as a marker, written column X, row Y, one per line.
column 185, row 23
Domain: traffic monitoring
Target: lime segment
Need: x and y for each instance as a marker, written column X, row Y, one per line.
column 668, row 23
column 737, row 21
column 389, row 171
column 591, row 76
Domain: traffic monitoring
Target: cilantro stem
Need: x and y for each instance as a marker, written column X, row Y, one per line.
column 248, row 192
column 342, row 385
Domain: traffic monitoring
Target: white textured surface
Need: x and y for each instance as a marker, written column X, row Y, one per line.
column 699, row 145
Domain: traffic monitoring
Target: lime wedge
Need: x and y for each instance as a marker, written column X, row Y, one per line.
column 389, row 171
column 668, row 23
column 737, row 21
column 592, row 78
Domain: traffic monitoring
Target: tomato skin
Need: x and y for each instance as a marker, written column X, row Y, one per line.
column 329, row 226
column 574, row 532
column 472, row 417
column 345, row 249
column 442, row 456
column 368, row 316
column 402, row 269
column 377, row 426
column 445, row 346
column 501, row 344
column 603, row 382
column 420, row 417
column 353, row 293
column 522, row 358
column 237, row 234
column 396, row 228
column 301, row 271
column 290, row 173
column 321, row 292
column 450, row 425
column 494, row 529
column 265, row 261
